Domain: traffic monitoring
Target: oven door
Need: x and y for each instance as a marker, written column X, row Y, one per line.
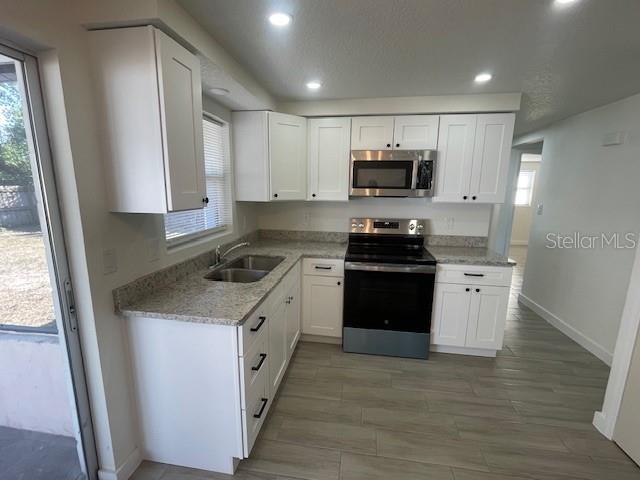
column 388, row 297
column 383, row 178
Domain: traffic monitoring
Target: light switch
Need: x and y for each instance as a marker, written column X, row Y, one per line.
column 539, row 209
column 109, row 261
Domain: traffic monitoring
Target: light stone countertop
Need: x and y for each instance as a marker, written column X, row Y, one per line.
column 470, row 256
column 195, row 299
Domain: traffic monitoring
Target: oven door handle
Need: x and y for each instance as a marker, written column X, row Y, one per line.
column 389, row 267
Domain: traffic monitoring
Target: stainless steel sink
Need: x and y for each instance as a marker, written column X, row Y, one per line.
column 246, row 269
column 255, row 262
column 236, row 275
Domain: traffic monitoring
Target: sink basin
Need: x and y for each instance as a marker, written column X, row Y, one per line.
column 254, row 262
column 236, row 275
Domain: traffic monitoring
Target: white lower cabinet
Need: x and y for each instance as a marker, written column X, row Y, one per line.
column 203, row 391
column 470, row 317
column 322, row 286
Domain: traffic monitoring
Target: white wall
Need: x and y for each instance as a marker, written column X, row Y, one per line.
column 33, row 389
column 587, row 188
column 54, row 32
column 523, row 214
column 444, row 219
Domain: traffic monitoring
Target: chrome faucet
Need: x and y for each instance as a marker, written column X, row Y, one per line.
column 220, row 256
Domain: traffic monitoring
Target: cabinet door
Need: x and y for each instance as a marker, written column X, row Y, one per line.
column 288, row 156
column 371, row 133
column 277, row 342
column 450, row 314
column 416, row 132
column 181, row 121
column 487, row 317
column 322, row 306
column 293, row 317
column 329, row 145
column 491, row 155
column 455, row 156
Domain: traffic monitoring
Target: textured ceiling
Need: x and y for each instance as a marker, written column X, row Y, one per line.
column 564, row 58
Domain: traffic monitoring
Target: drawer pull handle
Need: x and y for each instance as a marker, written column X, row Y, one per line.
column 264, row 405
column 257, row 327
column 474, row 274
column 323, row 267
column 263, row 357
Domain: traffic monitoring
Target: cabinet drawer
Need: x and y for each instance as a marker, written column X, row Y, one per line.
column 253, row 366
column 252, row 328
column 474, row 275
column 323, row 266
column 258, row 404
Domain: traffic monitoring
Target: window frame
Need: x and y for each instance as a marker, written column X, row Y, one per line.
column 529, row 189
column 219, row 231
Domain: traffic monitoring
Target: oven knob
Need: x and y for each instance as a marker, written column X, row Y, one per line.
column 361, row 225
column 354, row 225
column 412, row 226
column 420, row 227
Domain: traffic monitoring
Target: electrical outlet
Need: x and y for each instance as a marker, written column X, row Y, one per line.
column 109, row 261
column 306, row 219
column 539, row 209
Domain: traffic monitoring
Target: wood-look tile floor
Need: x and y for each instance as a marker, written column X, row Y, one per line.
column 524, row 415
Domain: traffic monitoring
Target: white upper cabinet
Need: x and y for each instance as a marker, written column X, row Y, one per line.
column 416, row 132
column 491, row 155
column 473, row 157
column 406, row 132
column 455, row 157
column 270, row 153
column 150, row 99
column 372, row 133
column 329, row 141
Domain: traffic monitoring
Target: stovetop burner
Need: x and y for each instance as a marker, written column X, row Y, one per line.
column 388, row 241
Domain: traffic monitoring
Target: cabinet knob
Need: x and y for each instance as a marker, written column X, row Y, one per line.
column 467, row 289
column 397, row 145
column 464, row 198
column 275, row 195
column 313, row 195
column 477, row 289
column 388, row 145
column 473, row 198
column 205, row 200
column 339, row 283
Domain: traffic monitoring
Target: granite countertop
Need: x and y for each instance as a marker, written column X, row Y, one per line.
column 195, row 299
column 470, row 256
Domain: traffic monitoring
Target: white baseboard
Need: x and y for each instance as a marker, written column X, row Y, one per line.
column 575, row 335
column 601, row 424
column 124, row 471
column 519, row 243
column 475, row 352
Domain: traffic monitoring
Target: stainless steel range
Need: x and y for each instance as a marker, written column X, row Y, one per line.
column 388, row 288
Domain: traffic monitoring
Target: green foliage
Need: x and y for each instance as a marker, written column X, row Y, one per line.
column 15, row 167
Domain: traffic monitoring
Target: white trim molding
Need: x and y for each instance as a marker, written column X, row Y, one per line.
column 124, row 471
column 605, row 420
column 580, row 338
column 519, row 243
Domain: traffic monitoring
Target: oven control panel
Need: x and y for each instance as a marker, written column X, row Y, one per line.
column 388, row 226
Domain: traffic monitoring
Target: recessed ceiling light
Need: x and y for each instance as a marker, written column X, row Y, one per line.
column 564, row 2
column 280, row 19
column 313, row 85
column 219, row 91
column 483, row 77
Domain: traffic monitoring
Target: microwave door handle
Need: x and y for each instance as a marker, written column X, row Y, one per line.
column 414, row 175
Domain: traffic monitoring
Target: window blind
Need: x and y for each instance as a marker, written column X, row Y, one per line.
column 216, row 216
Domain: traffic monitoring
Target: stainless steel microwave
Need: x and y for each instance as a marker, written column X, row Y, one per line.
column 392, row 173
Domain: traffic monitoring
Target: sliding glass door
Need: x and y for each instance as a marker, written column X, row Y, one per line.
column 45, row 423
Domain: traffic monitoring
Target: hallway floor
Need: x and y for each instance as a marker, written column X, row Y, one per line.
column 525, row 414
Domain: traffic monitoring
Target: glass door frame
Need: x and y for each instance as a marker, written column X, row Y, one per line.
column 53, row 234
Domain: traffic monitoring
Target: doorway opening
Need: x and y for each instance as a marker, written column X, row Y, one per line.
column 45, row 427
